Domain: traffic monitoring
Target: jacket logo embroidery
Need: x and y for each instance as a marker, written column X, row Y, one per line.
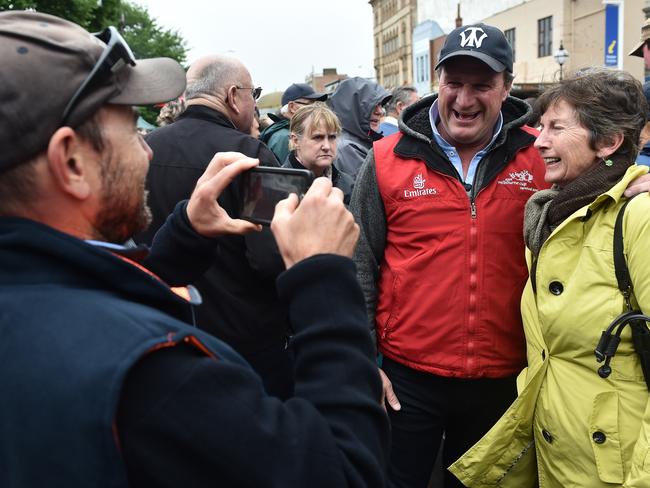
column 418, row 182
column 419, row 188
column 472, row 40
column 522, row 179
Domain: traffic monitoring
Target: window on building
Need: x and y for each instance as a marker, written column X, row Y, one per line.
column 426, row 67
column 510, row 37
column 545, row 36
column 423, row 68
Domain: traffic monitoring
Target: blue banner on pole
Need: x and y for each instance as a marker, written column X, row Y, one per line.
column 611, row 35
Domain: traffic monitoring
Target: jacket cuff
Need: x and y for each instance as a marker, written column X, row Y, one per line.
column 323, row 267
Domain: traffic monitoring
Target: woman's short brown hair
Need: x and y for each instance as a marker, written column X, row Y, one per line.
column 607, row 102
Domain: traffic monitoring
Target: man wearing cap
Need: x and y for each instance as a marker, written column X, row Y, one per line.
column 441, row 258
column 276, row 136
column 642, row 50
column 104, row 382
column 644, row 138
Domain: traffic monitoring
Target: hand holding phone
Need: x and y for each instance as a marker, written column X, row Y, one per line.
column 205, row 214
column 263, row 187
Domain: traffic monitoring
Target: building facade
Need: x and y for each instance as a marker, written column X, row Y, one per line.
column 594, row 32
column 321, row 81
column 444, row 12
column 394, row 21
column 428, row 39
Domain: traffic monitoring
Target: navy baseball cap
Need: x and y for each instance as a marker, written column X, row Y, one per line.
column 481, row 41
column 302, row 90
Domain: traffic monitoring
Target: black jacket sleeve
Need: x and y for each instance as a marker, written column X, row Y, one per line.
column 178, row 254
column 188, row 420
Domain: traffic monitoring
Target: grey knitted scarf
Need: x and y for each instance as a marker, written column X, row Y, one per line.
column 547, row 209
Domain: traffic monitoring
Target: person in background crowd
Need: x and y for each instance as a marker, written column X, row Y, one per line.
column 642, row 49
column 240, row 301
column 104, row 381
column 402, row 97
column 314, row 130
column 644, row 138
column 265, row 122
column 570, row 426
column 357, row 102
column 170, row 111
column 276, row 136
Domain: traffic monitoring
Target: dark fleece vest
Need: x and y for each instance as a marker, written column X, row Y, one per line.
column 74, row 319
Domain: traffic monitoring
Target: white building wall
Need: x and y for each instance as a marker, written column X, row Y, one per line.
column 444, row 11
column 580, row 25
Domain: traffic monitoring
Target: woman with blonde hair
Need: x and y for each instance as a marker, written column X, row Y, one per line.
column 313, row 135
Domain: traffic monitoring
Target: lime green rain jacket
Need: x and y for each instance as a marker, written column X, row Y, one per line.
column 569, row 427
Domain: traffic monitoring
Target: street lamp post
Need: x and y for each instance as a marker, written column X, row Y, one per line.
column 561, row 55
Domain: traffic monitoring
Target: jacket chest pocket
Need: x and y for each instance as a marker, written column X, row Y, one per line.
column 604, row 437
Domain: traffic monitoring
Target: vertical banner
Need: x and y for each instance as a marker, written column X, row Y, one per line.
column 611, row 35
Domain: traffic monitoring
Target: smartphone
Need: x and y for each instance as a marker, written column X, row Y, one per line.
column 263, row 187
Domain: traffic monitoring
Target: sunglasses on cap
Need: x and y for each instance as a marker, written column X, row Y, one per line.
column 115, row 56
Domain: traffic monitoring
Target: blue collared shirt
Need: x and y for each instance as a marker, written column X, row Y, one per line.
column 451, row 151
column 644, row 155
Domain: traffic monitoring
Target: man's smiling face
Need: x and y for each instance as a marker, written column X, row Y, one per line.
column 469, row 102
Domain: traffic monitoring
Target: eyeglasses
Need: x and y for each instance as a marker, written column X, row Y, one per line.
column 256, row 92
column 116, row 55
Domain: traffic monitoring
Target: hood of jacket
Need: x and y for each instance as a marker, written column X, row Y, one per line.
column 354, row 101
column 414, row 120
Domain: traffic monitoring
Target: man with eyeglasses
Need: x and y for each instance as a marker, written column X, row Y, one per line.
column 104, row 383
column 276, row 136
column 240, row 302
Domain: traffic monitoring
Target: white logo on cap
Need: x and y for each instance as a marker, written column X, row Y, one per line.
column 472, row 40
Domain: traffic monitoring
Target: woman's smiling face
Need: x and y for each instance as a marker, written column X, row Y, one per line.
column 564, row 144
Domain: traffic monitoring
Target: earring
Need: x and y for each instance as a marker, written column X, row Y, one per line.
column 608, row 162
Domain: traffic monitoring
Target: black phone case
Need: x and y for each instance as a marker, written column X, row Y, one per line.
column 263, row 187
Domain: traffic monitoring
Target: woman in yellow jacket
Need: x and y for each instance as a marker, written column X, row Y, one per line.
column 570, row 427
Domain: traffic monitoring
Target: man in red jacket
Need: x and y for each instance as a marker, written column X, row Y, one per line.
column 441, row 257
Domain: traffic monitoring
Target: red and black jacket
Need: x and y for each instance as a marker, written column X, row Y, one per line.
column 453, row 265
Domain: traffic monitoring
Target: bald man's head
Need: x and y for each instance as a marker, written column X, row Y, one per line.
column 222, row 83
column 212, row 75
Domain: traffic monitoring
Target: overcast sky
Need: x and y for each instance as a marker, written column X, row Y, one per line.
column 279, row 41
